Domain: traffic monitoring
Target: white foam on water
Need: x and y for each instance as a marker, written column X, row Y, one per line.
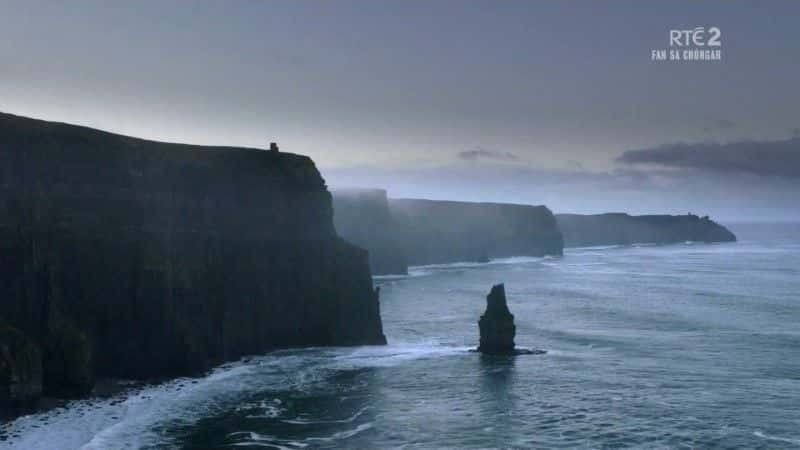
column 128, row 420
column 253, row 439
column 267, row 409
column 761, row 435
column 589, row 248
column 430, row 269
column 314, row 422
column 390, row 277
column 413, row 272
column 522, row 259
column 144, row 417
column 394, row 354
column 343, row 434
column 471, row 264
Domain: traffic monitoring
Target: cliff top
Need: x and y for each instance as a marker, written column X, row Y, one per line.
column 456, row 203
column 96, row 145
column 622, row 215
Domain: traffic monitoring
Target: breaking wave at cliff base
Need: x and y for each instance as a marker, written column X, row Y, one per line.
column 648, row 347
column 156, row 415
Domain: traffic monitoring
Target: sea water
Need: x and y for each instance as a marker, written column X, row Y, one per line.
column 677, row 346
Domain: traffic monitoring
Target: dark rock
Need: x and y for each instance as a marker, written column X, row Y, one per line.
column 497, row 324
column 497, row 327
column 67, row 362
column 166, row 259
column 623, row 229
column 20, row 370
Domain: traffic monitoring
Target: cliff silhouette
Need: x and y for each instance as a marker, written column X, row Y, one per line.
column 624, row 229
column 131, row 258
column 402, row 232
column 437, row 231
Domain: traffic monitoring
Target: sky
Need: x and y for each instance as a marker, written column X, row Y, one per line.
column 555, row 103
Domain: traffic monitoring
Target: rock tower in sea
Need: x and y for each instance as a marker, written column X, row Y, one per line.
column 497, row 324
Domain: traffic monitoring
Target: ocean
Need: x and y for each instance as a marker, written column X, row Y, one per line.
column 675, row 346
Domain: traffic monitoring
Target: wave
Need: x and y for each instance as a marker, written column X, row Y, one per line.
column 631, row 245
column 154, row 416
column 430, row 268
column 392, row 355
column 253, row 439
column 761, row 435
column 126, row 419
column 343, row 434
column 350, row 419
column 595, row 247
column 268, row 409
column 410, row 274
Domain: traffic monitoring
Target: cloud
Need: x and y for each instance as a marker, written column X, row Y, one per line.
column 720, row 125
column 478, row 153
column 764, row 158
column 726, row 124
column 575, row 165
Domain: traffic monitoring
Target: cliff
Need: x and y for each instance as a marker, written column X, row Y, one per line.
column 434, row 231
column 362, row 216
column 402, row 232
column 623, row 229
column 131, row 258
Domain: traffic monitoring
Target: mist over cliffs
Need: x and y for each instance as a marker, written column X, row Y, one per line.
column 403, row 232
column 438, row 231
column 131, row 258
column 623, row 229
column 362, row 216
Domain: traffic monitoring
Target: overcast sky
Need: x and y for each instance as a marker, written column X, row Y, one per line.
column 533, row 102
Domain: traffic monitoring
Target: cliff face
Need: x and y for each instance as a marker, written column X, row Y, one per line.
column 20, row 370
column 623, row 229
column 402, row 232
column 444, row 231
column 362, row 217
column 150, row 259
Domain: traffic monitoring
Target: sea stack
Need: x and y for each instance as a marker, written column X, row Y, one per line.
column 497, row 324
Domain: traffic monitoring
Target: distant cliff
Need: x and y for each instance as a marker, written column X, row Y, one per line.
column 418, row 232
column 445, row 231
column 130, row 258
column 362, row 216
column 623, row 229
